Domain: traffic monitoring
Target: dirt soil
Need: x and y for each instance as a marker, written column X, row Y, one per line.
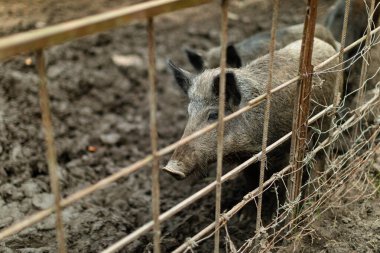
column 100, row 113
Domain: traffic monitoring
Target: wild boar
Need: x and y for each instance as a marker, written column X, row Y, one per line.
column 244, row 133
column 255, row 46
column 357, row 27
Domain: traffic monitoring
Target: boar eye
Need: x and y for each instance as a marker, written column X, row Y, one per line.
column 212, row 116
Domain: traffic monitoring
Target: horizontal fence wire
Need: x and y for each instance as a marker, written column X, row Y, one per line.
column 205, row 190
column 67, row 31
column 279, row 175
column 328, row 191
column 123, row 172
column 226, row 216
column 53, row 35
column 364, row 66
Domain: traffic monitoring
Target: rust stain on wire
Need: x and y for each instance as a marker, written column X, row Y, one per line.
column 302, row 102
column 51, row 154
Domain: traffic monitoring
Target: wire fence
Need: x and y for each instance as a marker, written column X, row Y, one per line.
column 308, row 185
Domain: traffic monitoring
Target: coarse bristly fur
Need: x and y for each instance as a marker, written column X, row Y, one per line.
column 244, row 133
column 249, row 49
column 357, row 27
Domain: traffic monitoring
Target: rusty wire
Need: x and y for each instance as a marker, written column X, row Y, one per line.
column 67, row 31
column 267, row 113
column 221, row 110
column 154, row 135
column 34, row 218
column 339, row 81
column 205, row 190
column 363, row 72
column 250, row 161
column 246, row 199
column 155, row 153
column 302, row 101
column 51, row 154
column 330, row 190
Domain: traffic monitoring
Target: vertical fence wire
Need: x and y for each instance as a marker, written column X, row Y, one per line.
column 154, row 135
column 296, row 109
column 267, row 114
column 49, row 137
column 339, row 81
column 220, row 128
column 302, row 103
column 363, row 72
column 51, row 153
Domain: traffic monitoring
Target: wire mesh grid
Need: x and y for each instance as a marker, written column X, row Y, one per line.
column 293, row 216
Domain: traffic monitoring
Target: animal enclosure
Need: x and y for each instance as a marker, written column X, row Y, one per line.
column 347, row 152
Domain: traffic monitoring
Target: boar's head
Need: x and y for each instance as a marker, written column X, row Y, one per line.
column 203, row 93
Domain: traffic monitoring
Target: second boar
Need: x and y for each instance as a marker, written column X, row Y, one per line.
column 249, row 49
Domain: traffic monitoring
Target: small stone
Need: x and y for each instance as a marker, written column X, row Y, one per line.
column 246, row 20
column 40, row 24
column 213, row 34
column 43, row 200
column 11, row 210
column 346, row 220
column 128, row 61
column 30, row 189
column 4, row 249
column 161, row 65
column 9, row 191
column 28, row 61
column 47, row 224
column 103, row 39
column 74, row 163
column 192, row 31
column 25, row 205
column 54, row 71
column 233, row 16
column 16, row 152
column 6, row 222
column 125, row 127
column 110, row 139
column 91, row 149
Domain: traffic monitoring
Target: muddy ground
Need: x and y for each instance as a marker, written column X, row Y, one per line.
column 96, row 103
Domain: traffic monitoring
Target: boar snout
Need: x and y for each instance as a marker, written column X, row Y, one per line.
column 182, row 163
column 176, row 169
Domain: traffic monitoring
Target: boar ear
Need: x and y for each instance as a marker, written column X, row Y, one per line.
column 232, row 92
column 181, row 76
column 195, row 59
column 233, row 58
